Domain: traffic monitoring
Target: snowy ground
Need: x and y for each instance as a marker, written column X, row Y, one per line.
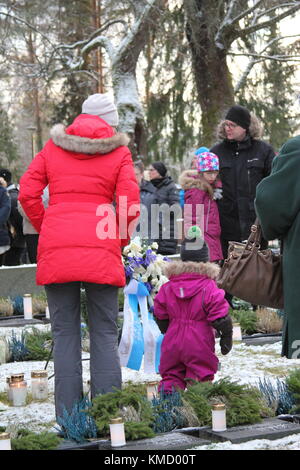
column 245, row 364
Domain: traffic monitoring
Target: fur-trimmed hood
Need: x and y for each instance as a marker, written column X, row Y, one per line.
column 89, row 144
column 176, row 268
column 190, row 179
column 256, row 128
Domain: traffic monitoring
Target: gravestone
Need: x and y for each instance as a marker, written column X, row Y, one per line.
column 19, row 280
column 270, row 428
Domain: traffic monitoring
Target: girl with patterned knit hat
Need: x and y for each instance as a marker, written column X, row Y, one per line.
column 201, row 190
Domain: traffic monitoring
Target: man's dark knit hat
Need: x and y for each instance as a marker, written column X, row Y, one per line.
column 160, row 167
column 240, row 115
column 6, row 174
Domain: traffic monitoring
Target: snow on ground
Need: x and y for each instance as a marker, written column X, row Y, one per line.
column 244, row 364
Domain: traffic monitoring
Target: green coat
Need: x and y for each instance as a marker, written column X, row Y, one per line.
column 277, row 205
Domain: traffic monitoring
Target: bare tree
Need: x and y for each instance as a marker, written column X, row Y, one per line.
column 212, row 28
column 123, row 59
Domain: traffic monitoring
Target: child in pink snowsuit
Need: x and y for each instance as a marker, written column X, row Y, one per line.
column 188, row 308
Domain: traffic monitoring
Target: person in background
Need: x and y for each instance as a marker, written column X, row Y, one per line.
column 30, row 234
column 5, row 207
column 14, row 256
column 277, row 205
column 201, row 189
column 244, row 161
column 167, row 195
column 148, row 198
column 188, row 308
column 93, row 205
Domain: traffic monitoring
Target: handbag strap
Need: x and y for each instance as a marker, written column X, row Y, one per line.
column 255, row 236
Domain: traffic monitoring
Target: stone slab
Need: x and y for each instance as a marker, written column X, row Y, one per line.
column 270, row 428
column 19, row 322
column 167, row 441
column 261, row 340
column 19, row 280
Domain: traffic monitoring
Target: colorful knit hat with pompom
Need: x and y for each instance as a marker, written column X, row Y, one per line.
column 207, row 161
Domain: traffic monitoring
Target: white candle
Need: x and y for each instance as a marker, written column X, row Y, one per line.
column 117, row 432
column 219, row 417
column 18, row 392
column 27, row 305
column 39, row 385
column 151, row 390
column 5, row 441
column 47, row 312
column 236, row 332
column 8, row 380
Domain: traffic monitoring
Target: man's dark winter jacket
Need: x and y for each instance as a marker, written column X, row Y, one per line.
column 242, row 166
column 15, row 218
column 167, row 193
column 148, row 198
column 5, row 206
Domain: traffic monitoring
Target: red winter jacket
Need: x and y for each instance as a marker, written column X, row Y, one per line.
column 93, row 202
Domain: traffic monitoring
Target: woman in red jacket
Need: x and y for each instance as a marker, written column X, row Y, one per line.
column 93, row 202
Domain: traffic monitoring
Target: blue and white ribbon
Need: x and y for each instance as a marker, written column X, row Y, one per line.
column 140, row 334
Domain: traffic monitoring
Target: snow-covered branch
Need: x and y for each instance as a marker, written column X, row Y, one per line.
column 270, row 22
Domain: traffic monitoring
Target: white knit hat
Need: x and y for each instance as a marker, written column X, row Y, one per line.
column 102, row 105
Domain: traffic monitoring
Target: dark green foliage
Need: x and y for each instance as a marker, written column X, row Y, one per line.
column 243, row 403
column 293, row 384
column 35, row 344
column 137, row 430
column 17, row 348
column 30, row 346
column 18, row 305
column 166, row 412
column 27, row 440
column 247, row 320
column 278, row 397
column 8, row 148
column 131, row 403
column 78, row 425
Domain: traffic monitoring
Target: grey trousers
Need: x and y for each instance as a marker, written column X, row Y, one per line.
column 65, row 318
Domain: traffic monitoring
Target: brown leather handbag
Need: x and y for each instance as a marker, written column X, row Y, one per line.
column 252, row 274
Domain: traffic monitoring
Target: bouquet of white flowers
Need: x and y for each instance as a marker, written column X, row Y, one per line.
column 142, row 263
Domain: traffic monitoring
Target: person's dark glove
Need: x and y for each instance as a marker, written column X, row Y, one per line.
column 162, row 325
column 224, row 328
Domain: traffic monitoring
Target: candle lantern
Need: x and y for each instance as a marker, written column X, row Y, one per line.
column 18, row 391
column 17, row 377
column 219, row 417
column 27, row 306
column 5, row 441
column 47, row 312
column 117, row 432
column 8, row 380
column 39, row 385
column 236, row 332
column 151, row 390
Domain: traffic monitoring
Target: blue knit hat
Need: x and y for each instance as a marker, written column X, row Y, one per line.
column 201, row 150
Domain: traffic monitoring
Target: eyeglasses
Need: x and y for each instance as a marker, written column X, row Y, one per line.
column 230, row 125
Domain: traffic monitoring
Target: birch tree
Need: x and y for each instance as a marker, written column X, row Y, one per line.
column 213, row 27
column 122, row 59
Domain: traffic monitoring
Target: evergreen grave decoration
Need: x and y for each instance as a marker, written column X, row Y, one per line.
column 32, row 345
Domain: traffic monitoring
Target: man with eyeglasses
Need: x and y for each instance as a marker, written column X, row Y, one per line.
column 244, row 161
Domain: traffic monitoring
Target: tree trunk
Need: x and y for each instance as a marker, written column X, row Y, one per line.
column 212, row 76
